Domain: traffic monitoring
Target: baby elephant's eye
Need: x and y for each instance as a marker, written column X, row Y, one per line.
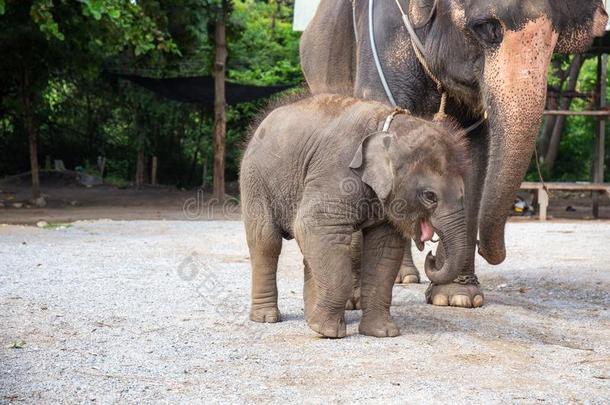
column 430, row 197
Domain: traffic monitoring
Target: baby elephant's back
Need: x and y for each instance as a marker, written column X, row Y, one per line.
column 290, row 134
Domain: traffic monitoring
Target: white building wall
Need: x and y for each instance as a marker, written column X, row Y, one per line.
column 304, row 11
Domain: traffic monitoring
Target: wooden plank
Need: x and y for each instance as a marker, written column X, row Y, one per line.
column 567, row 186
column 601, row 113
column 531, row 186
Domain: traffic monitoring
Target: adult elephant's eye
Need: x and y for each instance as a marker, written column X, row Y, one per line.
column 489, row 31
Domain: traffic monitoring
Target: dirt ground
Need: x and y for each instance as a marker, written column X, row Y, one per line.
column 69, row 202
column 156, row 311
column 148, row 303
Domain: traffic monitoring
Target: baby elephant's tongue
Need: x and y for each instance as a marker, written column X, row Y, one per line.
column 427, row 232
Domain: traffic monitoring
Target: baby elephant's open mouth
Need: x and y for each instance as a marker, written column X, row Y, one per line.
column 423, row 233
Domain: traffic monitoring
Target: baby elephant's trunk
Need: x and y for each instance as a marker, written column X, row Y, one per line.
column 451, row 228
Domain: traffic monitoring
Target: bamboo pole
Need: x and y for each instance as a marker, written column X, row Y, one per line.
column 598, row 158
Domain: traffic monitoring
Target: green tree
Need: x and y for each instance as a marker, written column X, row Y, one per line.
column 47, row 38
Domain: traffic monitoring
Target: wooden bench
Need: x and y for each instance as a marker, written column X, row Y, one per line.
column 543, row 198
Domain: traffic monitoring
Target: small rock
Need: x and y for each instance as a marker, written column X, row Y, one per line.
column 74, row 203
column 42, row 224
column 17, row 344
column 17, row 205
column 39, row 202
column 501, row 286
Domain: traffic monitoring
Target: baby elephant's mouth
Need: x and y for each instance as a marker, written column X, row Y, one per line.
column 423, row 233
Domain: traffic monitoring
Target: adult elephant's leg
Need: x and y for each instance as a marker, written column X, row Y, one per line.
column 354, row 301
column 408, row 273
column 383, row 250
column 465, row 291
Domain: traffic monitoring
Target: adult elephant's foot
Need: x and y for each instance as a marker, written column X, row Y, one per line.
column 408, row 275
column 464, row 292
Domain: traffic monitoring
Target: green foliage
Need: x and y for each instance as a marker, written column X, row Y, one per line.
column 62, row 47
column 575, row 158
column 268, row 50
column 83, row 113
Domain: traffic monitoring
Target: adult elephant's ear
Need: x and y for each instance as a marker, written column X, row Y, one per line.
column 372, row 162
column 579, row 28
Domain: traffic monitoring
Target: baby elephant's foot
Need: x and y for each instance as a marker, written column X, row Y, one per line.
column 328, row 325
column 467, row 295
column 378, row 325
column 354, row 302
column 407, row 275
column 265, row 315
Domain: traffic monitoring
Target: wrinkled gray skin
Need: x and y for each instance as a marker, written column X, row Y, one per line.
column 490, row 55
column 319, row 169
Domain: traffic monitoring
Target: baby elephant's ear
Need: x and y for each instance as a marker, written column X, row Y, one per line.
column 373, row 164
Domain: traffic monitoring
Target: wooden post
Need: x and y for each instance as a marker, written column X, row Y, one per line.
column 153, row 173
column 220, row 116
column 141, row 144
column 598, row 159
column 543, row 204
column 204, row 175
column 101, row 166
column 140, row 163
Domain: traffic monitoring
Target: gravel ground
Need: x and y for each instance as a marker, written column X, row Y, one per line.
column 143, row 312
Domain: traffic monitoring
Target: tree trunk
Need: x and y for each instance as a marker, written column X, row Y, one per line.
column 27, row 99
column 552, row 104
column 564, row 104
column 220, row 116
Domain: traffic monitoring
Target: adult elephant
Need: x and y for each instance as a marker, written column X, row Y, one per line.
column 491, row 57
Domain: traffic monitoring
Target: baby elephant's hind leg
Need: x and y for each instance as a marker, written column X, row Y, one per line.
column 408, row 273
column 265, row 244
column 354, row 301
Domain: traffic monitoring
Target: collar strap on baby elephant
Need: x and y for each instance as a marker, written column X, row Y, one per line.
column 390, row 118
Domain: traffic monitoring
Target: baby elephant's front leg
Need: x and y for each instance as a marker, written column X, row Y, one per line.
column 382, row 255
column 328, row 258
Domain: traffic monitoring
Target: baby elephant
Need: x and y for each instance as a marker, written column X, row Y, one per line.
column 325, row 167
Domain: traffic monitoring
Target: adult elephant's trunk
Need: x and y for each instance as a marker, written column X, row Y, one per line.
column 451, row 229
column 515, row 92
